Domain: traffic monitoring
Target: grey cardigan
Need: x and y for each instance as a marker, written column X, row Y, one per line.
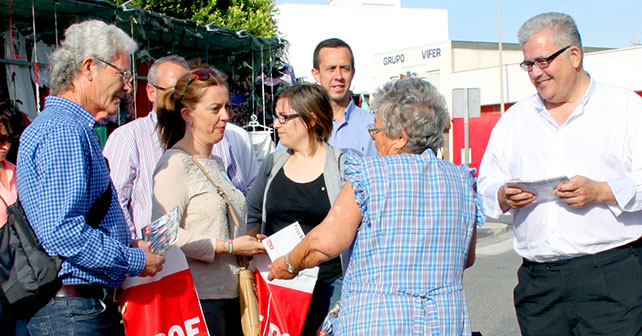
column 332, row 176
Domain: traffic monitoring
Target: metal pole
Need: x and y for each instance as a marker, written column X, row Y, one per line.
column 501, row 59
column 466, row 113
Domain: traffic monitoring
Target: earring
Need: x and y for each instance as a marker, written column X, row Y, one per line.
column 191, row 124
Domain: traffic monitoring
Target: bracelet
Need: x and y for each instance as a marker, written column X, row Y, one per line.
column 230, row 246
column 289, row 267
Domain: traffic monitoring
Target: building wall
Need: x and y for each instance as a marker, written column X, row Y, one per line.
column 428, row 62
column 368, row 28
column 470, row 59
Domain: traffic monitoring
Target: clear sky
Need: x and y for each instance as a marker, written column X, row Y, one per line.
column 614, row 23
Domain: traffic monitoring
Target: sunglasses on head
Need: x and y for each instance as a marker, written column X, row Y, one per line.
column 201, row 75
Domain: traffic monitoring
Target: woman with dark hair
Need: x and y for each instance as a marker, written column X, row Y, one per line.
column 299, row 183
column 11, row 126
column 191, row 118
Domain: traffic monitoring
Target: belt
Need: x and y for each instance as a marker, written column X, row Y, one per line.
column 89, row 291
column 598, row 258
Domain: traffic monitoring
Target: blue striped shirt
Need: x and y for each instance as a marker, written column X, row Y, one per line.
column 405, row 275
column 61, row 172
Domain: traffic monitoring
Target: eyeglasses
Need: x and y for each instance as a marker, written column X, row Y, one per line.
column 541, row 63
column 127, row 75
column 201, row 75
column 159, row 87
column 284, row 117
column 372, row 130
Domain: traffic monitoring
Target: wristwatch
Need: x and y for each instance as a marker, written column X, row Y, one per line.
column 289, row 267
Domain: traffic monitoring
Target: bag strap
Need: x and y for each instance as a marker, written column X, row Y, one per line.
column 97, row 211
column 220, row 191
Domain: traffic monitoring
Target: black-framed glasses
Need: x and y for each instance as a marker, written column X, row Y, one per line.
column 283, row 118
column 542, row 63
column 201, row 75
column 127, row 75
column 372, row 130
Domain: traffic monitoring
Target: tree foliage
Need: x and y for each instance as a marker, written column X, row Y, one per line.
column 254, row 16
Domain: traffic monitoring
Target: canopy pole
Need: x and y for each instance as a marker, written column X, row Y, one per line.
column 262, row 87
column 35, row 58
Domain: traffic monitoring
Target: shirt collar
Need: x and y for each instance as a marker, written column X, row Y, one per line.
column 153, row 116
column 69, row 106
column 349, row 109
column 541, row 108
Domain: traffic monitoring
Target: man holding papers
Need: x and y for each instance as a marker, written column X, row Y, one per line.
column 582, row 268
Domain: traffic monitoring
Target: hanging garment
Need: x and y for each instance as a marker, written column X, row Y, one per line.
column 21, row 88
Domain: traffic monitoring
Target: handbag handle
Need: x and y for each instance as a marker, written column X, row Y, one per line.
column 218, row 189
column 223, row 195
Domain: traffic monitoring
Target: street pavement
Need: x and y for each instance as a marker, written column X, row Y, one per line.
column 489, row 283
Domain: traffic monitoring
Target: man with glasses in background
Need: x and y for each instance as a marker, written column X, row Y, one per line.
column 133, row 150
column 64, row 186
column 580, row 240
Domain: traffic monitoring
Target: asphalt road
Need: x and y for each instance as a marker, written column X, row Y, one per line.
column 489, row 285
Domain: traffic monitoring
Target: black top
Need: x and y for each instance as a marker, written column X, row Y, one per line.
column 307, row 203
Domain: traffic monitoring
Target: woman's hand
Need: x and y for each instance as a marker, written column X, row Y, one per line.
column 247, row 246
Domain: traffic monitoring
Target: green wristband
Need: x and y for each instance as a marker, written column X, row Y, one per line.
column 230, row 246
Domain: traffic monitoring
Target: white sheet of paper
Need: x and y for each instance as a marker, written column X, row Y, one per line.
column 282, row 242
column 543, row 189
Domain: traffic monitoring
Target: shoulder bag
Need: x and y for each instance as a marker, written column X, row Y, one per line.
column 247, row 291
column 28, row 275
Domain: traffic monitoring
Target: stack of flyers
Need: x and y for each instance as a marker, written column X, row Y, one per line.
column 162, row 232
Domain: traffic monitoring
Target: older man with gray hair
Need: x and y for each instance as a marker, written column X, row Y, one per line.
column 61, row 174
column 580, row 240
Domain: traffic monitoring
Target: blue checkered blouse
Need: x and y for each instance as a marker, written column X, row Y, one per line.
column 61, row 172
column 405, row 275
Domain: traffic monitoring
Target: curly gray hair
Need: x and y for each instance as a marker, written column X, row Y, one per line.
column 562, row 25
column 415, row 106
column 89, row 38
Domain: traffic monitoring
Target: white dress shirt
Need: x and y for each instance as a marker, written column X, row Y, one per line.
column 600, row 140
column 134, row 149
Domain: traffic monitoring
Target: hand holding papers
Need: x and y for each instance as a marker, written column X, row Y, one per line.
column 543, row 189
column 162, row 232
column 282, row 242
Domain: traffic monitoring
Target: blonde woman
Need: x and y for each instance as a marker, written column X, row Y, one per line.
column 191, row 119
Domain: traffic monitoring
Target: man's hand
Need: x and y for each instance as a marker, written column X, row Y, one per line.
column 510, row 197
column 153, row 263
column 279, row 271
column 580, row 191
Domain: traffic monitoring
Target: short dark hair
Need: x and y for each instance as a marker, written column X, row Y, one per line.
column 311, row 101
column 330, row 43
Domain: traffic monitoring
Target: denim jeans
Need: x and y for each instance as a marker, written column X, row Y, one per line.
column 74, row 316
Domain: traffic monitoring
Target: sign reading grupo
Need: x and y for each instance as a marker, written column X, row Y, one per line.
column 399, row 58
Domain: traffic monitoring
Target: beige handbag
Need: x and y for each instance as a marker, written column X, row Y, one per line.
column 247, row 286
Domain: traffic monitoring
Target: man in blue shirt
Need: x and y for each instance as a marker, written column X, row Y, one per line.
column 333, row 68
column 62, row 172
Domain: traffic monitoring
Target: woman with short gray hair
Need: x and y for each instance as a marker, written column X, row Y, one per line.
column 409, row 219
